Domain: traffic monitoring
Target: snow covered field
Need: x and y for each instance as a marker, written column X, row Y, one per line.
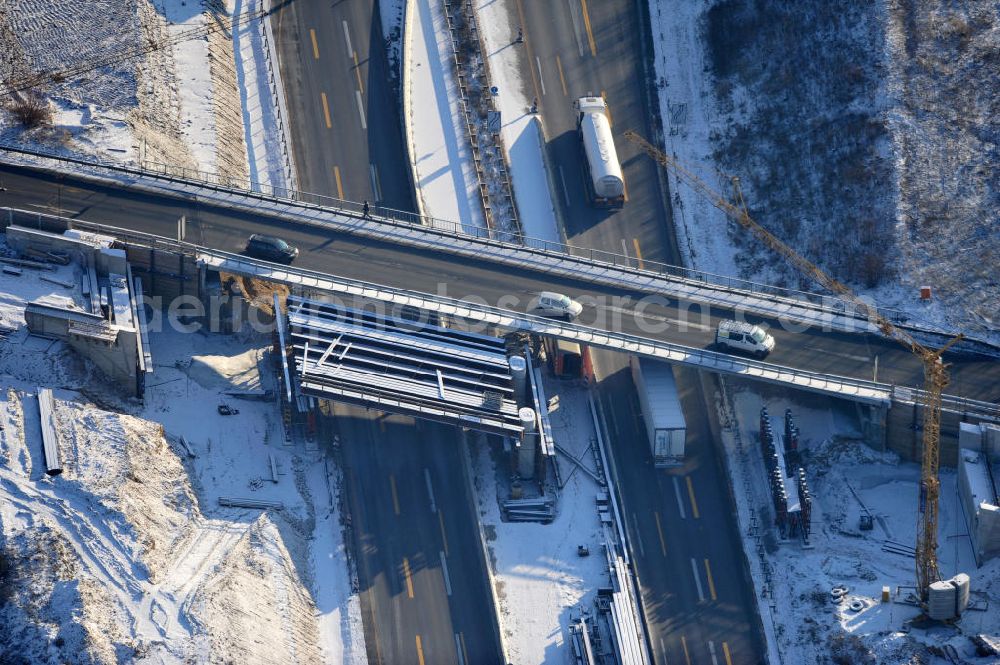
column 801, row 620
column 857, row 131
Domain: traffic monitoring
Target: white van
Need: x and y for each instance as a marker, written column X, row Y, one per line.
column 555, row 305
column 745, row 337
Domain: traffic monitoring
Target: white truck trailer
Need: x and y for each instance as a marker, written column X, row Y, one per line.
column 605, row 182
column 661, row 410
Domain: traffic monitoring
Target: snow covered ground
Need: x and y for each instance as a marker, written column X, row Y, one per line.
column 127, row 556
column 539, row 578
column 445, row 177
column 801, row 620
column 813, row 105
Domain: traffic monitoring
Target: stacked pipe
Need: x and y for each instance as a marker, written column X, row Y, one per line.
column 791, row 440
column 806, row 501
column 778, row 492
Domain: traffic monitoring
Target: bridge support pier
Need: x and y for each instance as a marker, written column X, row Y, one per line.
column 874, row 424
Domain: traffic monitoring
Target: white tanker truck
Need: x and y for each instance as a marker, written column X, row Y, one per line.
column 605, row 183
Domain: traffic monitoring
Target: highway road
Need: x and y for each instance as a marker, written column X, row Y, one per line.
column 345, row 124
column 685, row 543
column 574, row 48
column 424, row 598
column 684, row 538
column 424, row 594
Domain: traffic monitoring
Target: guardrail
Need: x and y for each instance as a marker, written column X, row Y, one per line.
column 431, row 226
column 858, row 389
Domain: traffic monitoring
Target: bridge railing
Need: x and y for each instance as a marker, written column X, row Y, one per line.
column 858, row 389
column 447, row 228
column 849, row 387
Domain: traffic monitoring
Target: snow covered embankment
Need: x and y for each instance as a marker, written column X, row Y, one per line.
column 818, row 123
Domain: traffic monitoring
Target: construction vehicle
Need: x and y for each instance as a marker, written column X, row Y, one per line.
column 935, row 370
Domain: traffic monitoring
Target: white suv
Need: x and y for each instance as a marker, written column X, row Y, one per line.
column 740, row 336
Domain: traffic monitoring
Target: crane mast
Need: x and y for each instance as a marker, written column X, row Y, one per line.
column 935, row 370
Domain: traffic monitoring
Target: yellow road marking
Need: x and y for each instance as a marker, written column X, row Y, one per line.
column 326, row 111
column 444, row 536
column 711, row 582
column 659, row 530
column 586, row 23
column 687, row 656
column 357, row 71
column 562, row 79
column 638, row 252
column 624, row 188
column 312, row 35
column 725, row 652
column 395, row 496
column 340, row 189
column 420, row 652
column 694, row 504
column 409, row 578
column 527, row 50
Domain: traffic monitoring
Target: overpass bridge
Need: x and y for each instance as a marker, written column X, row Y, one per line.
column 817, row 337
column 507, row 251
column 880, row 398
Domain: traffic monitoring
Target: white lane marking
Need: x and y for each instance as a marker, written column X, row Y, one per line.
column 697, row 581
column 376, row 185
column 361, row 110
column 565, row 188
column 458, row 648
column 663, row 650
column 576, row 25
column 447, row 578
column 541, row 79
column 624, row 248
column 347, row 36
column 711, row 650
column 430, row 490
column 638, row 536
column 680, row 501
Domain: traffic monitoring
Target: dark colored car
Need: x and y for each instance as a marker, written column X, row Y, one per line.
column 270, row 248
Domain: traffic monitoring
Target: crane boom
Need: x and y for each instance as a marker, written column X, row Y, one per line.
column 935, row 370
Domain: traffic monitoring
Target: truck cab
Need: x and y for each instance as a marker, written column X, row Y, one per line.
column 744, row 337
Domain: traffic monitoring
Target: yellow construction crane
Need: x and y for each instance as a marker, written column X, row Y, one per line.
column 935, row 370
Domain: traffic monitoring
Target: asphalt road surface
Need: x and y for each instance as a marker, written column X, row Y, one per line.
column 842, row 354
column 424, row 594
column 345, row 124
column 575, row 48
column 684, row 537
column 424, row 598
